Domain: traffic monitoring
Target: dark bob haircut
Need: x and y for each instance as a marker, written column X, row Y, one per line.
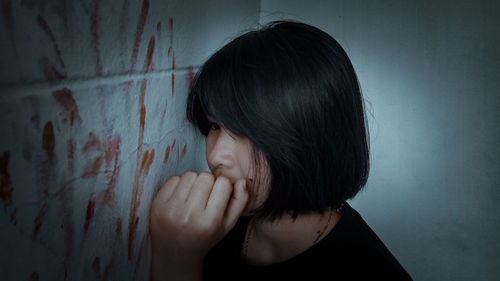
column 290, row 89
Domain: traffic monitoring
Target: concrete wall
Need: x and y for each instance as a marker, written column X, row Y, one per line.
column 431, row 79
column 92, row 109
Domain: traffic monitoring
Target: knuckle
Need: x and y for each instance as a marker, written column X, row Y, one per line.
column 208, row 176
column 224, row 180
column 190, row 174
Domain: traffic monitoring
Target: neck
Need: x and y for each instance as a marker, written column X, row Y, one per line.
column 285, row 238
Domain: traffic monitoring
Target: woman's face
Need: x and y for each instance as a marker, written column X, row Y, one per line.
column 230, row 155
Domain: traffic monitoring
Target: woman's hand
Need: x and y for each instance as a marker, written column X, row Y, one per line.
column 191, row 213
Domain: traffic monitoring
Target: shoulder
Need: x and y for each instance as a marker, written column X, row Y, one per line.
column 360, row 251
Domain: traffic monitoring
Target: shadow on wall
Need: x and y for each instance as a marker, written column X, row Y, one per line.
column 93, row 122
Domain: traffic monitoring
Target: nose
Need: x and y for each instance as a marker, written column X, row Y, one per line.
column 220, row 150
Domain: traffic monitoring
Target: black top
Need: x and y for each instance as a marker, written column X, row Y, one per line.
column 350, row 251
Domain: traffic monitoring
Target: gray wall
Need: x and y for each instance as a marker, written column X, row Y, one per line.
column 92, row 109
column 430, row 74
column 78, row 171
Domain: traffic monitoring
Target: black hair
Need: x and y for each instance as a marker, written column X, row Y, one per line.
column 290, row 89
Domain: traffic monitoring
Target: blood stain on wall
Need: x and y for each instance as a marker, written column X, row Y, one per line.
column 149, row 54
column 107, row 269
column 5, row 182
column 173, row 75
column 96, row 266
column 167, row 154
column 190, row 76
column 92, row 167
column 49, row 141
column 48, row 156
column 65, row 98
column 109, row 150
column 141, row 173
column 94, row 17
column 39, row 220
column 118, row 230
column 138, row 34
column 49, row 70
column 112, row 149
column 89, row 215
column 45, row 27
column 70, row 150
column 7, row 13
column 184, row 150
column 158, row 27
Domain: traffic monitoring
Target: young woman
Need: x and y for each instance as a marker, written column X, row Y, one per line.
column 286, row 143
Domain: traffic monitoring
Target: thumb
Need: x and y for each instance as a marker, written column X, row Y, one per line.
column 237, row 204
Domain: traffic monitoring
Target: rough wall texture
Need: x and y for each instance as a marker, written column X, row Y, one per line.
column 92, row 111
column 430, row 74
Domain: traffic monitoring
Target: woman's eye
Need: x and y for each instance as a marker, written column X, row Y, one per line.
column 213, row 126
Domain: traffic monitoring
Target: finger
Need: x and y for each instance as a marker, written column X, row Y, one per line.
column 219, row 197
column 183, row 187
column 200, row 192
column 168, row 188
column 237, row 204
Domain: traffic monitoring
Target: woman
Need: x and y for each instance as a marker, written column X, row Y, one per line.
column 286, row 143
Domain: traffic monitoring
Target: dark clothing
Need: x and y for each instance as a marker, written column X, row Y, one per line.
column 351, row 251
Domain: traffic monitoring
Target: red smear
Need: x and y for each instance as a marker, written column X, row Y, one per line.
column 90, row 214
column 142, row 120
column 167, row 154
column 13, row 216
column 92, row 144
column 158, row 27
column 65, row 98
column 118, row 231
column 70, row 149
column 107, row 269
column 173, row 80
column 184, row 150
column 109, row 150
column 92, row 168
column 5, row 183
column 49, row 141
column 34, row 276
column 149, row 162
column 138, row 33
column 171, row 24
column 112, row 148
column 149, row 55
column 169, row 50
column 7, row 13
column 96, row 266
column 173, row 144
column 190, row 76
column 163, row 112
column 45, row 27
column 141, row 173
column 39, row 220
column 132, row 229
column 49, row 70
column 173, row 61
column 94, row 17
